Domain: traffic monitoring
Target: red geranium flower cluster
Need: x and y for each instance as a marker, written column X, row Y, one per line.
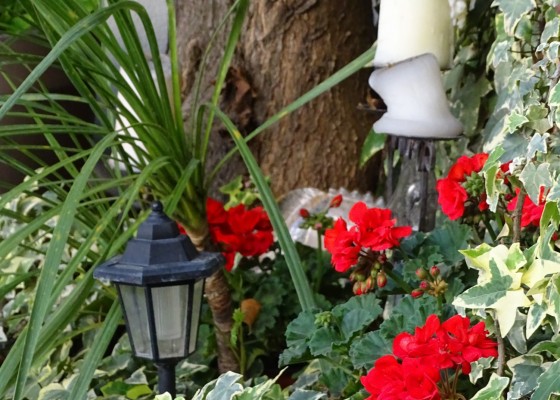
column 238, row 230
column 363, row 245
column 434, row 347
column 463, row 183
column 374, row 229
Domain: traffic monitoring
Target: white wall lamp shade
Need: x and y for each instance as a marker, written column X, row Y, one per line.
column 408, row 28
column 415, row 98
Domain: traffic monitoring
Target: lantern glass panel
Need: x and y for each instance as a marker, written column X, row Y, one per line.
column 134, row 303
column 195, row 314
column 170, row 315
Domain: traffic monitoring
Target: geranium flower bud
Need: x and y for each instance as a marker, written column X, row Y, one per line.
column 424, row 285
column 381, row 279
column 318, row 226
column 382, row 258
column 369, row 284
column 357, row 288
column 304, row 213
column 416, row 293
column 357, row 277
column 336, row 201
column 434, row 272
column 421, row 273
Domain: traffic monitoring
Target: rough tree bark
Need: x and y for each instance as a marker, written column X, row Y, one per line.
column 287, row 47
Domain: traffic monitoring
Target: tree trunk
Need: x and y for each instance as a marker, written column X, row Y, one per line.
column 287, row 47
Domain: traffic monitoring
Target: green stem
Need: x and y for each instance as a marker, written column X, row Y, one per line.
column 489, row 228
column 242, row 352
column 397, row 278
column 440, row 304
column 318, row 273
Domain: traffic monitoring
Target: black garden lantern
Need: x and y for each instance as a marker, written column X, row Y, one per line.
column 160, row 281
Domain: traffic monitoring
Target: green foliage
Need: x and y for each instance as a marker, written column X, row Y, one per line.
column 493, row 390
column 327, row 336
column 374, row 143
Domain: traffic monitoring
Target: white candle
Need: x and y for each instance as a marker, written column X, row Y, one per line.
column 408, row 28
column 415, row 98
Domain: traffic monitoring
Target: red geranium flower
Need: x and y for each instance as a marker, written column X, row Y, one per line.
column 452, row 197
column 390, row 380
column 464, row 344
column 531, row 213
column 342, row 244
column 451, row 189
column 377, row 230
column 239, row 230
column 374, row 230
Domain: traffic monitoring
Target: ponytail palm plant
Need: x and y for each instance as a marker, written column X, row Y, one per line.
column 92, row 195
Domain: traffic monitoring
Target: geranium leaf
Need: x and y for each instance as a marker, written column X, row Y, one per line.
column 354, row 321
column 334, row 378
column 368, row 302
column 494, row 389
column 548, row 383
column 368, row 348
column 407, row 315
column 514, row 10
column 526, row 370
column 450, row 237
column 300, row 329
column 322, row 340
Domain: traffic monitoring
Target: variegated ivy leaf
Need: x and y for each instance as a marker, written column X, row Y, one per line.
column 535, row 317
column 537, row 144
column 224, row 388
column 514, row 121
column 513, row 11
column 550, row 30
column 516, row 335
column 548, row 383
column 478, row 367
column 494, row 389
column 554, row 96
column 501, row 53
column 499, row 283
column 552, row 299
column 526, row 370
column 508, row 262
column 538, row 270
column 534, row 178
column 491, row 181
